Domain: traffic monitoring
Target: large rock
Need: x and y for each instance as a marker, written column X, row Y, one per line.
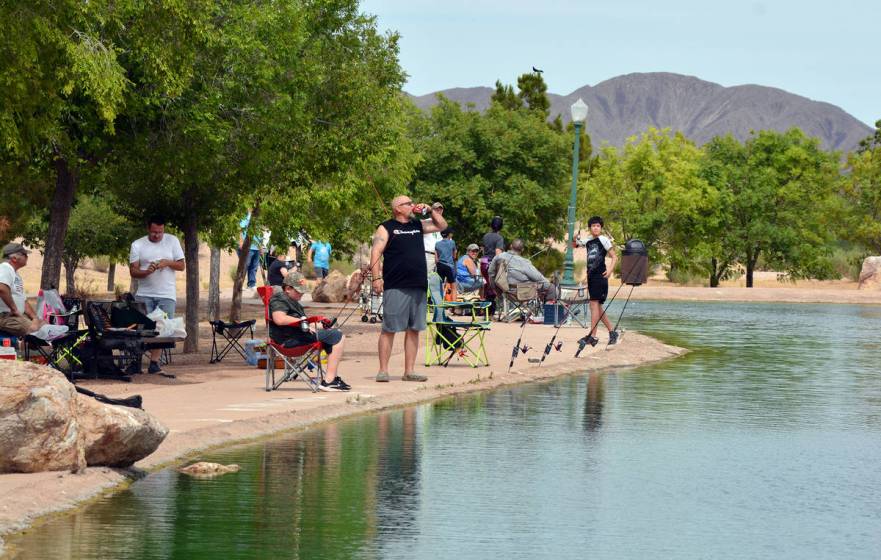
column 38, row 425
column 332, row 289
column 117, row 436
column 46, row 425
column 870, row 274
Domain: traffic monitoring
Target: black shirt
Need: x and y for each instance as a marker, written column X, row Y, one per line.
column 403, row 264
column 283, row 334
column 274, row 276
column 492, row 241
column 596, row 258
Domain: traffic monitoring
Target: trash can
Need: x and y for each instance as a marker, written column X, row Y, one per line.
column 634, row 263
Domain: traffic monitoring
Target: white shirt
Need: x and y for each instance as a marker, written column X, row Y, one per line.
column 430, row 240
column 160, row 284
column 10, row 277
column 582, row 241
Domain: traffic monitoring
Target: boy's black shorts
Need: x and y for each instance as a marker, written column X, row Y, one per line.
column 598, row 288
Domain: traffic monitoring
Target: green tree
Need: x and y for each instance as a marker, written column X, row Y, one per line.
column 502, row 162
column 872, row 142
column 651, row 189
column 534, row 92
column 777, row 202
column 861, row 191
column 505, row 96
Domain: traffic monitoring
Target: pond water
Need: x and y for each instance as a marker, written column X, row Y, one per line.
column 763, row 442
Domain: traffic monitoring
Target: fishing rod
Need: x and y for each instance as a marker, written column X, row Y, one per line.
column 517, row 349
column 626, row 301
column 559, row 345
column 583, row 341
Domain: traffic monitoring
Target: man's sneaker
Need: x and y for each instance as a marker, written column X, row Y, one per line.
column 382, row 377
column 340, row 384
column 613, row 337
column 325, row 386
column 154, row 367
column 592, row 340
column 414, row 377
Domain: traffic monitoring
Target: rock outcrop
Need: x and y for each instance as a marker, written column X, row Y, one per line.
column 870, row 274
column 38, row 420
column 45, row 425
column 332, row 289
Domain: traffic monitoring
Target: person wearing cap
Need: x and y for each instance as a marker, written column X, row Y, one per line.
column 17, row 317
column 467, row 273
column 286, row 327
column 402, row 279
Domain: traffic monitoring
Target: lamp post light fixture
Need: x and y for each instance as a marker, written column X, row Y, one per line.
column 579, row 115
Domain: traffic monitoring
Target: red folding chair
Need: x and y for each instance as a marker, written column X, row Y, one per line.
column 299, row 362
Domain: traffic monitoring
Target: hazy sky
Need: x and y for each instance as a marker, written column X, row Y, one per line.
column 826, row 51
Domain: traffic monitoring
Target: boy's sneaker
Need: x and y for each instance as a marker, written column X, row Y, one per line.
column 613, row 337
column 592, row 340
column 340, row 384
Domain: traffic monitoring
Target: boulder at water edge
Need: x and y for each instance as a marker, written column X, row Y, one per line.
column 332, row 289
column 38, row 426
column 870, row 275
column 46, row 425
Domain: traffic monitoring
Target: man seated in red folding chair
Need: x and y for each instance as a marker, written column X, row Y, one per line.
column 289, row 327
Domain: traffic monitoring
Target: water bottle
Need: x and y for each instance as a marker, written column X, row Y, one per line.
column 7, row 351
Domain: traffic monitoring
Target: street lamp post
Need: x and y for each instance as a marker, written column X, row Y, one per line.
column 579, row 114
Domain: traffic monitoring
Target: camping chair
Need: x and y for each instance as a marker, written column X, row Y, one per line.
column 109, row 351
column 298, row 362
column 448, row 338
column 571, row 306
column 60, row 353
column 520, row 300
column 231, row 333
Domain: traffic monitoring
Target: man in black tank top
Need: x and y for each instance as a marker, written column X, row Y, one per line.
column 402, row 278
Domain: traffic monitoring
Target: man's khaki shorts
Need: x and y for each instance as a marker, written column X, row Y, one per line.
column 19, row 325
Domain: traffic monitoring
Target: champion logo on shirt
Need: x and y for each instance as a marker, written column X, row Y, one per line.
column 400, row 232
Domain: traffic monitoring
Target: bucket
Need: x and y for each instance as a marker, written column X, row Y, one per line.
column 634, row 263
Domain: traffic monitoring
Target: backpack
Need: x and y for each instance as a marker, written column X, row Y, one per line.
column 448, row 337
column 501, row 277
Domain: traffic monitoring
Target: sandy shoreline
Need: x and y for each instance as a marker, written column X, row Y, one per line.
column 209, row 406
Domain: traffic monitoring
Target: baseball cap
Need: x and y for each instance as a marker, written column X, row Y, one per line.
column 295, row 280
column 473, row 247
column 13, row 248
column 437, row 205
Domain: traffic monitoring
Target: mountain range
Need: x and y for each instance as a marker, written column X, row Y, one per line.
column 627, row 105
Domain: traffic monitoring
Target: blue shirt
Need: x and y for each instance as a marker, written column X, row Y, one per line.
column 243, row 225
column 321, row 254
column 462, row 272
column 445, row 249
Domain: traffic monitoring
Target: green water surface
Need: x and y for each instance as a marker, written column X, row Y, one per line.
column 763, row 442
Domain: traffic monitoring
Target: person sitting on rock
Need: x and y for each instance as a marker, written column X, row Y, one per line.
column 287, row 327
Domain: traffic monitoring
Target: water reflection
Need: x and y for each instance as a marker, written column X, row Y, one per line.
column 760, row 443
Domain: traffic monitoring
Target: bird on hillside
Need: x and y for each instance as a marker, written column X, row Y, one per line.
column 536, row 70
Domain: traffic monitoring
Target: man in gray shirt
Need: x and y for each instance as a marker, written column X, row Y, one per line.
column 520, row 269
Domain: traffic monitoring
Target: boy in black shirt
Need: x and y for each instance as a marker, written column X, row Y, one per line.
column 598, row 246
column 286, row 327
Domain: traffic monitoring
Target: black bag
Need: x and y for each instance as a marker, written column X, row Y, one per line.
column 448, row 337
column 124, row 314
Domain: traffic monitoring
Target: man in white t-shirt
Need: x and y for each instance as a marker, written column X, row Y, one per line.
column 17, row 317
column 153, row 260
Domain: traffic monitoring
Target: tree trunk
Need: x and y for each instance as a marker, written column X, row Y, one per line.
column 214, row 286
column 191, row 255
column 111, row 277
column 59, row 215
column 714, row 274
column 235, row 310
column 69, row 278
column 752, row 257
